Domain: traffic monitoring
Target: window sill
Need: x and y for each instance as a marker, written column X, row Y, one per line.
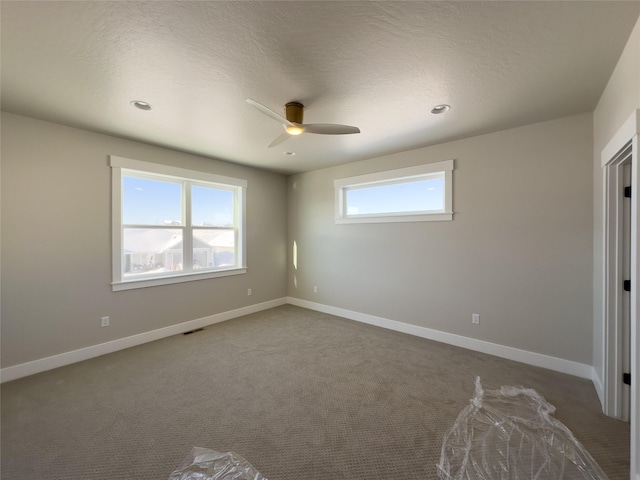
column 187, row 277
column 432, row 217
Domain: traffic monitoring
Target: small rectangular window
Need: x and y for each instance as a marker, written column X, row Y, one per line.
column 413, row 194
column 174, row 225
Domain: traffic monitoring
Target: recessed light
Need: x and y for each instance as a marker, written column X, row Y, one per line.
column 438, row 109
column 289, row 154
column 141, row 105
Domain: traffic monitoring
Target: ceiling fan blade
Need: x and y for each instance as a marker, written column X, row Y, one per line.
column 268, row 112
column 329, row 129
column 279, row 140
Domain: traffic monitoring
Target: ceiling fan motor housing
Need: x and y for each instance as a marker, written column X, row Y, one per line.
column 293, row 112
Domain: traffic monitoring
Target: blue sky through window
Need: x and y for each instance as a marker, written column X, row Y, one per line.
column 211, row 207
column 416, row 196
column 155, row 202
column 150, row 202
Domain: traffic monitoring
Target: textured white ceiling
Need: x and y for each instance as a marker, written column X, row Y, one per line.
column 378, row 65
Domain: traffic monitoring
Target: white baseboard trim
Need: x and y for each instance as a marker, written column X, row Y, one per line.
column 537, row 359
column 597, row 383
column 48, row 363
column 553, row 363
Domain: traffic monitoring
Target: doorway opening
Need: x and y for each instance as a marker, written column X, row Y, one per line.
column 617, row 176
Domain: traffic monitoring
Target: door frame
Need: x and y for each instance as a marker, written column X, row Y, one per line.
column 613, row 280
column 612, row 159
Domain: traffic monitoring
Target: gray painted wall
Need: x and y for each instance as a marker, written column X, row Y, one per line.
column 56, row 243
column 518, row 252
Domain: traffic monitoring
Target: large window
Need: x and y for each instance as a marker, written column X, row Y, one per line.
column 174, row 225
column 413, row 194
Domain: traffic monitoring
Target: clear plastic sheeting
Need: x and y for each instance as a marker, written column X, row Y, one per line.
column 205, row 464
column 510, row 434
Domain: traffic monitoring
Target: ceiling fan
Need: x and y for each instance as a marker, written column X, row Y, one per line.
column 293, row 125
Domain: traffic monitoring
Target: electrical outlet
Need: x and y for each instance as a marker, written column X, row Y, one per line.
column 249, row 292
column 475, row 318
column 315, row 289
column 105, row 321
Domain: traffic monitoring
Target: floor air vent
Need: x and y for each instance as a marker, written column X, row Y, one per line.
column 193, row 331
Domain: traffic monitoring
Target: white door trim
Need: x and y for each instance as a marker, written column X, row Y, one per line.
column 611, row 160
column 613, row 281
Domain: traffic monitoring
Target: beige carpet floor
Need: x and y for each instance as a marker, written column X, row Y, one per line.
column 301, row 395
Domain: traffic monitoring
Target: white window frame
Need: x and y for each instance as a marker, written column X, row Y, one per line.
column 119, row 167
column 399, row 175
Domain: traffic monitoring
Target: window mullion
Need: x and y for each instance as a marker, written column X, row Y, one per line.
column 187, row 231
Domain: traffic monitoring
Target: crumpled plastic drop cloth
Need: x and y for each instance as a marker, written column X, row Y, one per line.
column 205, row 464
column 510, row 434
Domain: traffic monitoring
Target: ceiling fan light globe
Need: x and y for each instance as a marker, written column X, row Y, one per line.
column 294, row 130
